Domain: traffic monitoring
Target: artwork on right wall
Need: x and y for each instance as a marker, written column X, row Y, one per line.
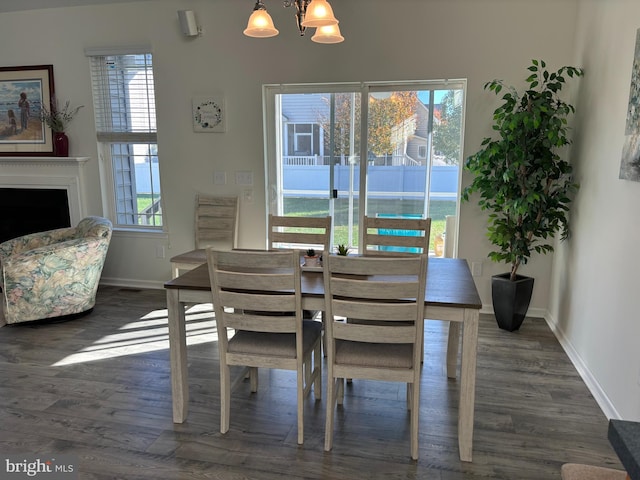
column 630, row 164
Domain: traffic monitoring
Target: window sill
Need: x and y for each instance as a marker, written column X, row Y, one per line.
column 139, row 233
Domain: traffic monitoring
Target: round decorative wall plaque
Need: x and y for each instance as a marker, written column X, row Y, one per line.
column 208, row 114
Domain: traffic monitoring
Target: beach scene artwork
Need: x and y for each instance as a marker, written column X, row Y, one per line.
column 630, row 164
column 20, row 106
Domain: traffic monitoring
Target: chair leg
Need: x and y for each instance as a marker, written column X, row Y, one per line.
column 300, row 391
column 415, row 420
column 331, row 407
column 225, row 398
column 253, row 377
column 324, row 342
column 307, row 369
column 317, row 367
column 340, row 390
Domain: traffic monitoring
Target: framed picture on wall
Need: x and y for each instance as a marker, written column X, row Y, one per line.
column 23, row 92
column 630, row 163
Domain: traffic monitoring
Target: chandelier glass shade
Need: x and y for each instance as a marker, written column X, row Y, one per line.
column 328, row 34
column 319, row 14
column 316, row 14
column 260, row 24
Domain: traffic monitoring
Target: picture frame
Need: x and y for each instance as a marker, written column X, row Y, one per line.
column 23, row 92
column 630, row 162
column 209, row 114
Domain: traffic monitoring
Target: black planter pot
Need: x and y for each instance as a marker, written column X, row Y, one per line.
column 511, row 300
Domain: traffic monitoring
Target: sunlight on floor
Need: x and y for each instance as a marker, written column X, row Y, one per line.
column 149, row 333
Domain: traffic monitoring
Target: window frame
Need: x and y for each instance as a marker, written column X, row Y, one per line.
column 272, row 129
column 108, row 137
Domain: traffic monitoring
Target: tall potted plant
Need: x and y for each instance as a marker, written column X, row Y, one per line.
column 523, row 182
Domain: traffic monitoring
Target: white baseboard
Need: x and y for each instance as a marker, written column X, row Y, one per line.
column 129, row 283
column 592, row 384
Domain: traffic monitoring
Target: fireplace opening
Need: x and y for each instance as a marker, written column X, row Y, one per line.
column 31, row 210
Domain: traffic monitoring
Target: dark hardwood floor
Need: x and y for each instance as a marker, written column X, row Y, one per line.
column 99, row 387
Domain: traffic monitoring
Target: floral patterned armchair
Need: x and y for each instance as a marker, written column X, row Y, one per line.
column 53, row 273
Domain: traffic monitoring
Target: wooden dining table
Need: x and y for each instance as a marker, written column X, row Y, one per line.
column 451, row 295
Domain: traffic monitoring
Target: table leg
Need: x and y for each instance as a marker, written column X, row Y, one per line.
column 453, row 344
column 178, row 356
column 468, row 384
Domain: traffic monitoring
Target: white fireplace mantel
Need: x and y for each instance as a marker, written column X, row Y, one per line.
column 43, row 161
column 48, row 172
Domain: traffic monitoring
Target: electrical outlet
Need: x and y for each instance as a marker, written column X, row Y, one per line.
column 244, row 178
column 219, row 178
column 247, row 195
column 476, row 269
column 159, row 251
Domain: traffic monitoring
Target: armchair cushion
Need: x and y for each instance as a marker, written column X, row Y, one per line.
column 53, row 273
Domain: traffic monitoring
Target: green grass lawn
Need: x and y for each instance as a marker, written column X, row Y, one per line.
column 144, row 200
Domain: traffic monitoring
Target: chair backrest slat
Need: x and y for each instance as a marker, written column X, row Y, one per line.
column 266, row 303
column 264, row 281
column 249, row 322
column 373, row 333
column 375, row 289
column 375, row 310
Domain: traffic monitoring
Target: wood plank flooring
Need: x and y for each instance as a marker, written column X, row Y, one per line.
column 99, row 387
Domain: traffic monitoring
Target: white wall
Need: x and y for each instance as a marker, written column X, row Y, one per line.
column 400, row 40
column 594, row 283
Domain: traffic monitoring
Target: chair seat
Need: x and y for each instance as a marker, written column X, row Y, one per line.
column 576, row 471
column 275, row 344
column 386, row 355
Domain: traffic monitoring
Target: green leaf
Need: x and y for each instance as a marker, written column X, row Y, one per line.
column 519, row 176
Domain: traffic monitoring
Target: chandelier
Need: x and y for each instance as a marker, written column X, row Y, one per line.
column 316, row 14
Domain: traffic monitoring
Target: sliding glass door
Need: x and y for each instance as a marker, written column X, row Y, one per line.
column 412, row 136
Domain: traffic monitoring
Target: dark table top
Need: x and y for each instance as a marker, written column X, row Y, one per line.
column 625, row 440
column 449, row 283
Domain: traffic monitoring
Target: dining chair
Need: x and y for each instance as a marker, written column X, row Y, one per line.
column 299, row 232
column 389, row 294
column 216, row 225
column 275, row 336
column 395, row 236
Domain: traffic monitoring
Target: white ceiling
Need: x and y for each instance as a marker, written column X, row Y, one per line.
column 17, row 5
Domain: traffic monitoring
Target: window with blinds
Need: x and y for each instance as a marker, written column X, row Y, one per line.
column 125, row 114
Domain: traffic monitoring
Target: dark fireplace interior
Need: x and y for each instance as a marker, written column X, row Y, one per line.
column 30, row 210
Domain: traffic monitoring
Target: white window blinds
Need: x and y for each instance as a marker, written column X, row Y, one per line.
column 125, row 115
column 124, row 97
